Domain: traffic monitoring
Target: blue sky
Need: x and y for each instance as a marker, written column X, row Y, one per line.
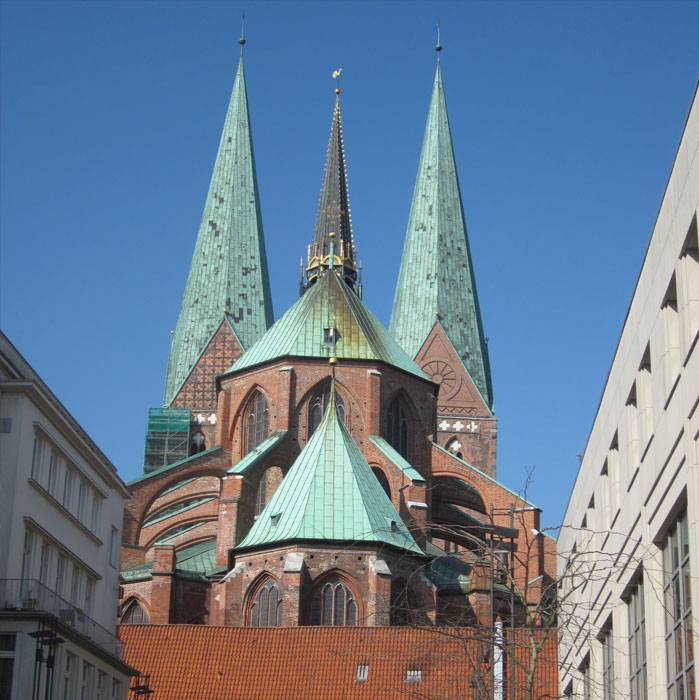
column 565, row 119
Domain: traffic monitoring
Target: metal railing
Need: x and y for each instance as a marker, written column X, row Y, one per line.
column 30, row 595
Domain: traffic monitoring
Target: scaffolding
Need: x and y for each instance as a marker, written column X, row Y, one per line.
column 167, row 437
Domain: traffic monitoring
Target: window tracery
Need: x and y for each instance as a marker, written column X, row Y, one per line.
column 333, row 605
column 266, row 608
column 318, row 404
column 397, row 427
column 134, row 614
column 256, row 421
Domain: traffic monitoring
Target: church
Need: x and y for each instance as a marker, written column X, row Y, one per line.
column 321, row 470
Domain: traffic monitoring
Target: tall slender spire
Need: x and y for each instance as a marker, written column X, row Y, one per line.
column 333, row 210
column 228, row 277
column 436, row 282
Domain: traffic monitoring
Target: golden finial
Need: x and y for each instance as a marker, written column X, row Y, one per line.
column 336, row 76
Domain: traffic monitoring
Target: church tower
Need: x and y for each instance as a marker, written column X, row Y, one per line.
column 436, row 315
column 227, row 303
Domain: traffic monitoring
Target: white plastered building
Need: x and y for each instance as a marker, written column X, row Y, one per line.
column 61, row 509
column 629, row 546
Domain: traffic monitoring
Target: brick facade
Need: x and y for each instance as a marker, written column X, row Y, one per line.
column 199, row 501
column 465, row 424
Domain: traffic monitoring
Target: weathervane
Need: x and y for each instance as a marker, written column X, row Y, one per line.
column 241, row 41
column 336, row 75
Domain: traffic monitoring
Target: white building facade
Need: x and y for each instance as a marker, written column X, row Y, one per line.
column 61, row 509
column 629, row 546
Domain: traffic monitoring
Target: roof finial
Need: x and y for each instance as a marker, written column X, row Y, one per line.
column 241, row 41
column 439, row 46
column 336, row 75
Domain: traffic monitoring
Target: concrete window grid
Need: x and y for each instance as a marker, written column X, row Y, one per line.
column 59, row 478
column 637, row 642
column 678, row 610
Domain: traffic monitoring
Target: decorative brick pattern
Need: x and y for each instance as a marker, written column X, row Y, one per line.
column 198, row 393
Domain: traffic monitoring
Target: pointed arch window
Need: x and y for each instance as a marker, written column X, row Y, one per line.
column 134, row 615
column 266, row 608
column 397, row 427
column 333, row 605
column 256, row 421
column 317, row 407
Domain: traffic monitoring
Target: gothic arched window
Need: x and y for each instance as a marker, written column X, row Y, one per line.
column 317, row 407
column 333, row 605
column 266, row 608
column 397, row 427
column 134, row 615
column 256, row 421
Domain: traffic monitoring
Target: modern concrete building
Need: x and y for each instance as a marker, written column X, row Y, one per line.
column 61, row 510
column 628, row 550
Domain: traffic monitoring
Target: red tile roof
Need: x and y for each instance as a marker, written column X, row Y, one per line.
column 196, row 662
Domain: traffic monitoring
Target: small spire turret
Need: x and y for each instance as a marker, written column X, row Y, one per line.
column 333, row 211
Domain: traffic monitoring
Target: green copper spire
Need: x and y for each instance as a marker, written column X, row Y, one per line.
column 436, row 280
column 228, row 277
column 330, row 493
column 333, row 212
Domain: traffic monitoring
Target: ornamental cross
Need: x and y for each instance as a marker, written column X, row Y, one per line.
column 200, row 418
column 458, row 425
column 444, row 425
column 212, row 419
column 472, row 427
column 455, row 446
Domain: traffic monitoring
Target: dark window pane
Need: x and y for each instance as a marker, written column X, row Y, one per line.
column 339, row 616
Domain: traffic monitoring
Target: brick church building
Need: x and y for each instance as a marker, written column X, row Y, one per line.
column 321, row 470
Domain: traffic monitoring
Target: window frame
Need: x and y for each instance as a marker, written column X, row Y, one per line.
column 677, row 599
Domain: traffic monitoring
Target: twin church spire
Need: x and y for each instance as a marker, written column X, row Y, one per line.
column 229, row 281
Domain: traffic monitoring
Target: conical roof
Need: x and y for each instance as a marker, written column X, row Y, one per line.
column 436, row 279
column 333, row 212
column 228, row 277
column 329, row 319
column 330, row 493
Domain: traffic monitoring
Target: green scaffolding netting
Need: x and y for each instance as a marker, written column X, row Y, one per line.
column 167, row 437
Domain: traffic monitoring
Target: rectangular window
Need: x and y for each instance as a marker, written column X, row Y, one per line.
column 7, row 661
column 586, row 680
column 75, row 583
column 362, row 673
column 102, row 684
column 413, row 676
column 69, row 668
column 68, row 488
column 60, row 575
column 95, row 516
column 116, row 689
column 678, row 612
column 54, row 468
column 607, row 641
column 86, row 681
column 27, row 555
column 44, row 563
column 637, row 643
column 89, row 594
column 37, row 458
column 82, row 500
